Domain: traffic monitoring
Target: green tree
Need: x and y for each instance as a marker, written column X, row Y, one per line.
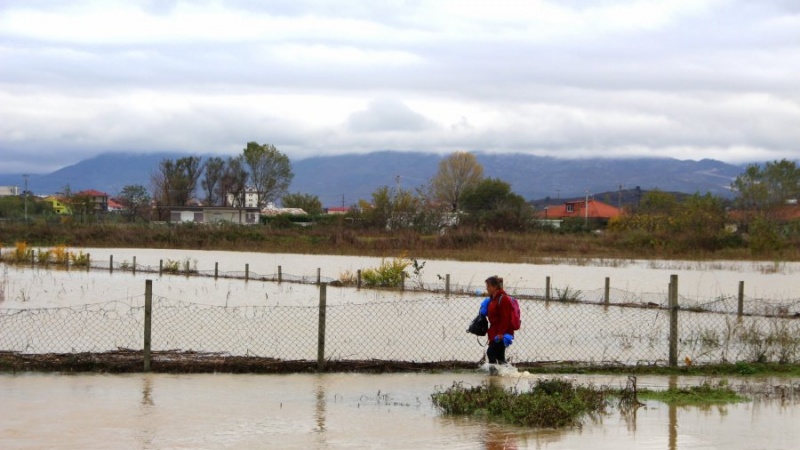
column 270, row 171
column 307, row 202
column 762, row 188
column 136, row 200
column 457, row 174
column 214, row 169
column 493, row 205
column 391, row 208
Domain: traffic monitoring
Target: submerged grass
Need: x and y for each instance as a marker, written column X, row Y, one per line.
column 548, row 403
column 704, row 394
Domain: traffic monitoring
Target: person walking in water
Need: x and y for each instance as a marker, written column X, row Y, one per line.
column 500, row 312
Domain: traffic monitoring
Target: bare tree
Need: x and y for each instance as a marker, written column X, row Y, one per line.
column 457, row 173
column 214, row 170
column 233, row 182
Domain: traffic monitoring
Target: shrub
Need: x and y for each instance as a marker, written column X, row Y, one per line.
column 389, row 273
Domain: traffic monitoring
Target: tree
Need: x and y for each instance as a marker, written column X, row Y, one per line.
column 493, row 205
column 175, row 182
column 457, row 174
column 763, row 188
column 136, row 200
column 270, row 171
column 307, row 202
column 231, row 187
column 214, row 168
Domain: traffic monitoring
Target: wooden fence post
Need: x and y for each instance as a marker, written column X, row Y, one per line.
column 88, row 262
column 216, row 270
column 319, row 275
column 447, row 285
column 111, row 264
column 607, row 291
column 247, row 272
column 160, row 267
column 673, row 320
column 323, row 298
column 358, row 279
column 280, row 274
column 148, row 315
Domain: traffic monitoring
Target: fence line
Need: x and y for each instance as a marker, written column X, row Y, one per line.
column 423, row 330
column 742, row 304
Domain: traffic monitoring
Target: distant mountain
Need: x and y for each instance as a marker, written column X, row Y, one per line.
column 344, row 179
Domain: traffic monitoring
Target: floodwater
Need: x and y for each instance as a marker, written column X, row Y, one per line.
column 327, row 411
column 387, row 411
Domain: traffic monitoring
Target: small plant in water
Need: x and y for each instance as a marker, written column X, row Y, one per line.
column 568, row 294
column 79, row 259
column 43, row 257
column 388, row 274
column 171, row 266
column 548, row 403
column 705, row 393
column 60, row 254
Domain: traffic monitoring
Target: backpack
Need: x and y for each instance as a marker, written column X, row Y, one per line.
column 516, row 319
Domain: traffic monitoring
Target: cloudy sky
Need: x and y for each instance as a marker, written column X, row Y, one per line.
column 689, row 79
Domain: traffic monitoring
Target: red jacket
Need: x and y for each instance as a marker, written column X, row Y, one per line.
column 499, row 315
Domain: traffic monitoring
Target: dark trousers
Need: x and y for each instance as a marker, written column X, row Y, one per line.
column 496, row 353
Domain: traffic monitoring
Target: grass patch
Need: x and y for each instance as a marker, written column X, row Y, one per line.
column 704, row 394
column 547, row 404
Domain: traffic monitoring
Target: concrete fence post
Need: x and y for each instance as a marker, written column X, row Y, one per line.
column 111, row 264
column 319, row 275
column 358, row 279
column 673, row 320
column 447, row 285
column 134, row 265
column 148, row 315
column 547, row 289
column 323, row 298
column 280, row 274
column 160, row 267
column 606, row 291
column 247, row 272
column 740, row 309
column 216, row 270
column 88, row 262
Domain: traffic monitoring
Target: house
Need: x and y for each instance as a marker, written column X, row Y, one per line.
column 99, row 199
column 250, row 198
column 59, row 204
column 580, row 209
column 213, row 215
column 8, row 191
column 337, row 210
column 272, row 210
column 115, row 206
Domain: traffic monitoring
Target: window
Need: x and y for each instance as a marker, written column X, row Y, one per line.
column 570, row 208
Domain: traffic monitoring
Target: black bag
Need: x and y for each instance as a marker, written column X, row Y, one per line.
column 479, row 325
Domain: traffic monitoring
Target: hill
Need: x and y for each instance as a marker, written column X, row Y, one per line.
column 344, row 179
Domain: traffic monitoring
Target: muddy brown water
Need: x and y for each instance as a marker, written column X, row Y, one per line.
column 327, row 411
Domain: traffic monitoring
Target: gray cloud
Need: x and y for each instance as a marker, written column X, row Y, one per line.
column 689, row 79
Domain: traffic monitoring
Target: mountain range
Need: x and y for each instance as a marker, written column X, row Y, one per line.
column 344, row 179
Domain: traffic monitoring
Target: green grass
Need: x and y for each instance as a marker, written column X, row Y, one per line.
column 704, row 394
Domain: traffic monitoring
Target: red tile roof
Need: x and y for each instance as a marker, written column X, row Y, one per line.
column 577, row 208
column 92, row 193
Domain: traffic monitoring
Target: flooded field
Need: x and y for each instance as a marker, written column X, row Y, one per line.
column 391, row 411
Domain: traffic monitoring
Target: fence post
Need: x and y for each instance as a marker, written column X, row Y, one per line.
column 358, row 279
column 134, row 265
column 606, row 291
column 447, row 285
column 280, row 274
column 319, row 275
column 66, row 262
column 148, row 315
column 740, row 310
column 402, row 281
column 88, row 262
column 323, row 298
column 111, row 264
column 547, row 289
column 673, row 320
column 33, row 258
column 216, row 270
column 247, row 272
column 160, row 267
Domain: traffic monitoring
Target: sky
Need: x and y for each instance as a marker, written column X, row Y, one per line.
column 687, row 79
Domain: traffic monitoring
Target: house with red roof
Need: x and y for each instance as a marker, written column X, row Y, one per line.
column 99, row 199
column 587, row 209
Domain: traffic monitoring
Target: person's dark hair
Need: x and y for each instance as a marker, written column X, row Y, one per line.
column 494, row 280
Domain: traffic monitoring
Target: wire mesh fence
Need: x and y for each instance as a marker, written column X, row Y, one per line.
column 421, row 329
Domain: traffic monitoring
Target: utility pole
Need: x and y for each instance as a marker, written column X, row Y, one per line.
column 586, row 211
column 25, row 196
